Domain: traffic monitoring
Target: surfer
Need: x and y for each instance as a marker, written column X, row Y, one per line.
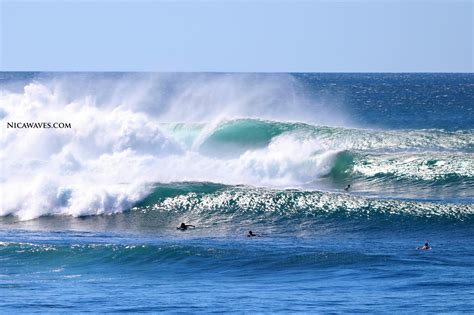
column 251, row 234
column 347, row 188
column 424, row 247
column 184, row 226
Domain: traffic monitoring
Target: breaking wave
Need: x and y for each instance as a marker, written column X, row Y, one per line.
column 131, row 132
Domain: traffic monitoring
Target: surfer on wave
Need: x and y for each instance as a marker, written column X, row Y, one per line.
column 184, row 226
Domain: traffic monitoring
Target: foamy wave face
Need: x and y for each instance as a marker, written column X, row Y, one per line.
column 272, row 204
column 425, row 167
column 117, row 143
column 74, row 171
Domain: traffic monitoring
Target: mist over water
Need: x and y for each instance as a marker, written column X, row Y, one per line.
column 117, row 144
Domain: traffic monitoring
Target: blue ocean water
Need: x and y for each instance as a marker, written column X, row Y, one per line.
column 88, row 215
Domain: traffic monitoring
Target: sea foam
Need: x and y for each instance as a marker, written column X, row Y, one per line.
column 118, row 144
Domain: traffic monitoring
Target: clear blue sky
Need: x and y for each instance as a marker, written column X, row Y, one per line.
column 248, row 36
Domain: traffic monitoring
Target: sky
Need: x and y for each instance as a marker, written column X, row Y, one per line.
column 237, row 36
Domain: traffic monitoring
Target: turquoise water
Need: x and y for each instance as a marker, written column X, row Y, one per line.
column 89, row 215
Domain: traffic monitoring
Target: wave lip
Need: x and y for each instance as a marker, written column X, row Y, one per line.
column 256, row 133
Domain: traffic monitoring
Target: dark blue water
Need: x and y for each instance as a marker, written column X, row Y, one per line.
column 401, row 101
column 403, row 141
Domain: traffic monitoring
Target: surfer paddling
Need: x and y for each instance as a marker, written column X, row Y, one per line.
column 424, row 247
column 184, row 226
column 251, row 234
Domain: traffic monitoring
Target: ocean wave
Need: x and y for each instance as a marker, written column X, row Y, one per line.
column 245, row 134
column 234, row 130
column 69, row 260
column 426, row 157
column 213, row 202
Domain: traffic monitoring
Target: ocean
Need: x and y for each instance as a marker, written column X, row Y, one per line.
column 89, row 214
